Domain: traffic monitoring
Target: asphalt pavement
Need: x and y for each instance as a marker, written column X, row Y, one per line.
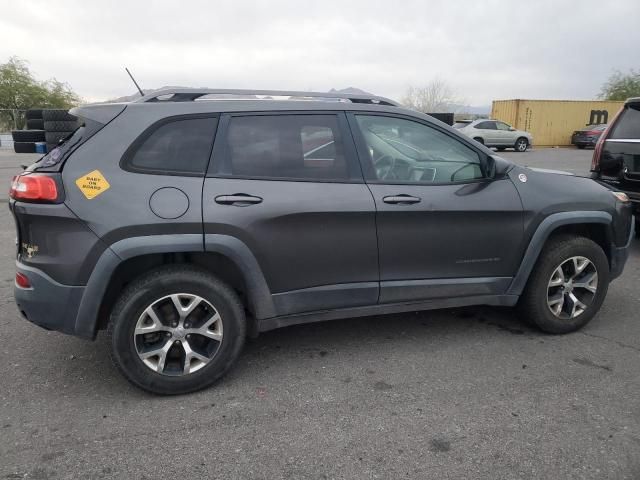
column 449, row 394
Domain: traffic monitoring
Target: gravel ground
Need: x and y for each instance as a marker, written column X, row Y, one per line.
column 467, row 393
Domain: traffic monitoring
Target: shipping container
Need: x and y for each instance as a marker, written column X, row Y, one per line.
column 551, row 122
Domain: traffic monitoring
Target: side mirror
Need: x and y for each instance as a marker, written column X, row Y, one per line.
column 490, row 167
column 496, row 166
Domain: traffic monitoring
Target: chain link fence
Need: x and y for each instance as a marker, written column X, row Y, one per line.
column 11, row 119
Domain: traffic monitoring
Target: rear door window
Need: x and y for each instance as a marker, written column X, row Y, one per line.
column 486, row 126
column 286, row 147
column 628, row 125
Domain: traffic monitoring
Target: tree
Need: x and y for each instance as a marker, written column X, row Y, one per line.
column 19, row 91
column 435, row 97
column 621, row 86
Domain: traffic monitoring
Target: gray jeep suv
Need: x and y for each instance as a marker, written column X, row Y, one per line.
column 187, row 220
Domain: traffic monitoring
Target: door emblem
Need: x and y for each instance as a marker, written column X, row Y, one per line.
column 522, row 177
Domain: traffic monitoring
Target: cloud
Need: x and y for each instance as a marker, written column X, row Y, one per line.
column 485, row 49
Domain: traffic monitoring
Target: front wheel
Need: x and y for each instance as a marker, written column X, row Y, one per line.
column 176, row 330
column 521, row 145
column 567, row 286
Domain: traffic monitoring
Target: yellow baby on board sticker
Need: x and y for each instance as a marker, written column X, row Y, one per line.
column 92, row 184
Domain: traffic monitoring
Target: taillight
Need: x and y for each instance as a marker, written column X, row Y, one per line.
column 22, row 280
column 35, row 188
column 597, row 153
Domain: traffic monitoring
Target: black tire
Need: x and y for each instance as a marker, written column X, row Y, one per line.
column 57, row 115
column 55, row 137
column 24, row 147
column 521, row 145
column 60, row 126
column 33, row 114
column 581, row 147
column 28, row 135
column 35, row 124
column 533, row 302
column 479, row 140
column 153, row 286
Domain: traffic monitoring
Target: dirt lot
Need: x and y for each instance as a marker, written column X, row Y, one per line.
column 470, row 393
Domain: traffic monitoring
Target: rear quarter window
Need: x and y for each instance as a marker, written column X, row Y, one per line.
column 173, row 147
column 628, row 125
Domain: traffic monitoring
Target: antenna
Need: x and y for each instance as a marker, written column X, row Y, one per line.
column 135, row 83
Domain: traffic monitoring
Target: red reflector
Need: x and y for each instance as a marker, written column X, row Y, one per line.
column 33, row 187
column 22, row 281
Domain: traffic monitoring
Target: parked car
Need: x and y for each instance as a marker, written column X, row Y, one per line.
column 493, row 133
column 616, row 159
column 181, row 227
column 588, row 136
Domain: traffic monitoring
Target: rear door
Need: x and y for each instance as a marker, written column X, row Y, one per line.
column 444, row 229
column 289, row 187
column 488, row 131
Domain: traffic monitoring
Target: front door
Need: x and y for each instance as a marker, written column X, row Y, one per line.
column 289, row 187
column 506, row 136
column 444, row 229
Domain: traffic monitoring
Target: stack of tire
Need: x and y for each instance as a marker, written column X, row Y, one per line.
column 50, row 126
column 58, row 125
column 24, row 141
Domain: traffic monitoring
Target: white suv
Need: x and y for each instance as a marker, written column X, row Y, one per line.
column 494, row 133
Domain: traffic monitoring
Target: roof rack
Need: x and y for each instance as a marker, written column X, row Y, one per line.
column 192, row 94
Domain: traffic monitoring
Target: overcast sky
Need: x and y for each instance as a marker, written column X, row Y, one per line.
column 485, row 49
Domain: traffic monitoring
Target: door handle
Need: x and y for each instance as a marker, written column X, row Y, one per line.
column 401, row 199
column 238, row 200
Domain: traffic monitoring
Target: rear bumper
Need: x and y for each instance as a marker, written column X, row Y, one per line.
column 47, row 303
column 586, row 142
column 619, row 255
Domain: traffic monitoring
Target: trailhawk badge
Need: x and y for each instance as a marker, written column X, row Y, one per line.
column 92, row 184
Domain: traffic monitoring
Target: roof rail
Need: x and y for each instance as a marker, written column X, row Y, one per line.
column 192, row 94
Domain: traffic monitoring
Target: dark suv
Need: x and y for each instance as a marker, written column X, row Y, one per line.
column 189, row 219
column 616, row 160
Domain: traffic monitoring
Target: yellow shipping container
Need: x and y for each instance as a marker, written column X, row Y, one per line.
column 552, row 122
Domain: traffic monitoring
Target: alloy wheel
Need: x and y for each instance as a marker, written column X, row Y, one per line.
column 572, row 287
column 521, row 145
column 178, row 334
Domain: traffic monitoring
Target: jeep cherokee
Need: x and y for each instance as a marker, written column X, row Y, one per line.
column 187, row 220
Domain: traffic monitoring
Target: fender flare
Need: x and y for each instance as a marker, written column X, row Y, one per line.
column 258, row 293
column 539, row 238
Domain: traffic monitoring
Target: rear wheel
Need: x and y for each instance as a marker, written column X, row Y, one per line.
column 567, row 286
column 176, row 330
column 521, row 145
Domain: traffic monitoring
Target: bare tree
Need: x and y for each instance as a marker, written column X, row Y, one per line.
column 437, row 96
